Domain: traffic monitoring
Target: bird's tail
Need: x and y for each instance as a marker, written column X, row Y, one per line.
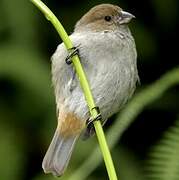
column 58, row 154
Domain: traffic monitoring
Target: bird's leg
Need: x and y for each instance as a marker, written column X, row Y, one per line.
column 97, row 118
column 72, row 52
column 90, row 130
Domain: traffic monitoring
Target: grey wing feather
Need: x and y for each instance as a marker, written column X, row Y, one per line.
column 63, row 75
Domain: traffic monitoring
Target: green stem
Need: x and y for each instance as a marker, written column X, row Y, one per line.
column 84, row 85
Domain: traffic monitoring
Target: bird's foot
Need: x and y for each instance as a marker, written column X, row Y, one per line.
column 72, row 52
column 97, row 118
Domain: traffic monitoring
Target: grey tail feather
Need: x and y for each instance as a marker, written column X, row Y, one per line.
column 58, row 154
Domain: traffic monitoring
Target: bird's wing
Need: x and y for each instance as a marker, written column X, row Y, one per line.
column 63, row 75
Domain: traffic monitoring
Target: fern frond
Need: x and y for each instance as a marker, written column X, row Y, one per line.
column 163, row 162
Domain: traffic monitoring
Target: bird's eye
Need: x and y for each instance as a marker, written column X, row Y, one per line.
column 107, row 18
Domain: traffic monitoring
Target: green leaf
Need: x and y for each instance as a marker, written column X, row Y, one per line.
column 163, row 159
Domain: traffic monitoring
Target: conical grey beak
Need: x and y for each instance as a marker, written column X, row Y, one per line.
column 125, row 17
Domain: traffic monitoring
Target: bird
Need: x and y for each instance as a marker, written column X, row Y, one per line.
column 108, row 55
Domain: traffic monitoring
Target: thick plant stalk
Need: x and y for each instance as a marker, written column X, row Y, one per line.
column 85, row 87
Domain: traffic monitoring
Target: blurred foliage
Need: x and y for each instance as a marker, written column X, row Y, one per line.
column 163, row 161
column 27, row 105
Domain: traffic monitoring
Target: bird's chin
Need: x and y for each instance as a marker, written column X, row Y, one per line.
column 125, row 21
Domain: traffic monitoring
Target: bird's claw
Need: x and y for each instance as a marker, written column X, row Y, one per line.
column 72, row 52
column 97, row 118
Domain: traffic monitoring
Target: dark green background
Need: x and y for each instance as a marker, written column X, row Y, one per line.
column 27, row 106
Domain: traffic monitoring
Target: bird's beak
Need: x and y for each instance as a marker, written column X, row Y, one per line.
column 126, row 17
